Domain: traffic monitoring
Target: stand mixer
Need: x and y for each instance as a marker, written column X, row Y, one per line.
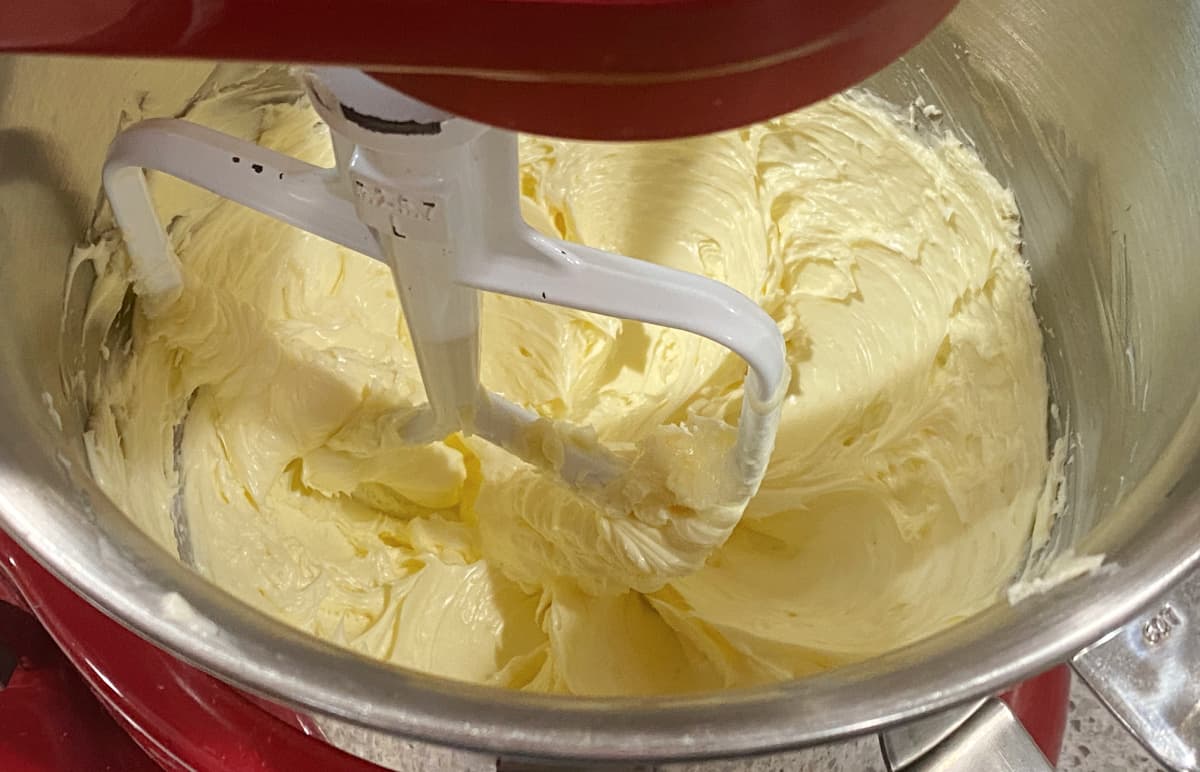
column 434, row 196
column 388, row 144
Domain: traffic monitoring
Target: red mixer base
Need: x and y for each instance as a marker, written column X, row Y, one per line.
column 164, row 713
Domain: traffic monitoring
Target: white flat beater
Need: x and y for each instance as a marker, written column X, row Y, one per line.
column 435, row 197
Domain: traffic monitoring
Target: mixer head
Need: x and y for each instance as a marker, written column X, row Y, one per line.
column 593, row 69
column 435, row 197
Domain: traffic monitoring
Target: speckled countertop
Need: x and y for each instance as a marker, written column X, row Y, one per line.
column 1094, row 742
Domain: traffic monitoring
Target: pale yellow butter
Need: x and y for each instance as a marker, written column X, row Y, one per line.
column 910, row 462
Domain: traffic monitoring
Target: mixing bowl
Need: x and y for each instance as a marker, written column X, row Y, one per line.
column 1088, row 114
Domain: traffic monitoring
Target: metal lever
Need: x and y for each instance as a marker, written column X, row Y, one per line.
column 1146, row 674
column 983, row 735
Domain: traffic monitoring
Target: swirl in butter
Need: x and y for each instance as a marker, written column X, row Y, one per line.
column 902, row 492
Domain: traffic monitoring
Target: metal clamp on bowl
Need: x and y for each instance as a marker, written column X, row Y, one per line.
column 983, row 734
column 1145, row 673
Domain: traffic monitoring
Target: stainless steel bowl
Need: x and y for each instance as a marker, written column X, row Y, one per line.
column 1088, row 113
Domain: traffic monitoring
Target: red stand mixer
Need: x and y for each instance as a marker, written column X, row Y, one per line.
column 589, row 69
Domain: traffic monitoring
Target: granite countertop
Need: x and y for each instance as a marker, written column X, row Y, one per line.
column 1094, row 742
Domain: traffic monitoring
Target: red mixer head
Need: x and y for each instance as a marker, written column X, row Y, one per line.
column 595, row 69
